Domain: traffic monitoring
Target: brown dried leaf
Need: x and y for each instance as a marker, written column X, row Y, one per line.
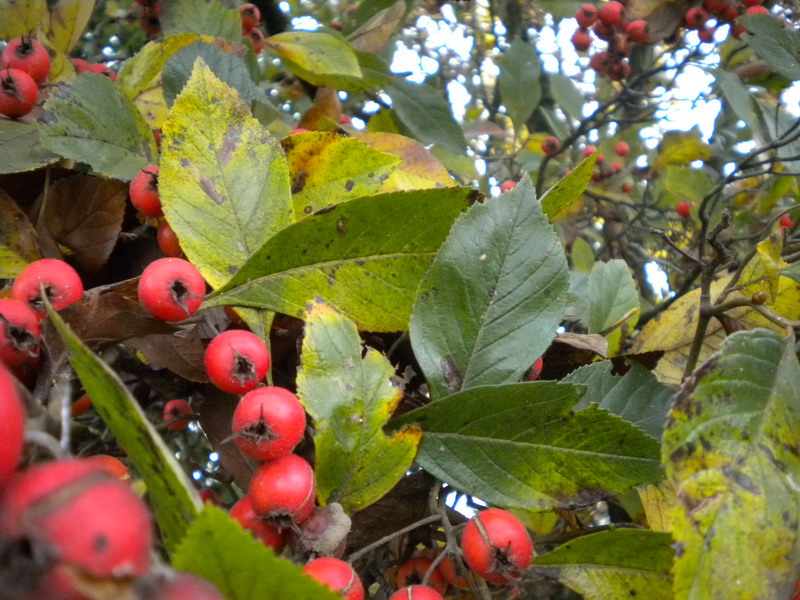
column 84, row 213
column 18, row 245
column 373, row 35
column 585, row 341
column 181, row 355
column 418, row 170
column 327, row 107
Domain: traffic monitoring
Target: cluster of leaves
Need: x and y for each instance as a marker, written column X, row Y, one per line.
column 342, row 237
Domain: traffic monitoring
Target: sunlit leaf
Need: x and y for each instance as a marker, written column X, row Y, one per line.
column 568, row 189
column 317, row 53
column 21, row 17
column 201, row 17
column 68, row 21
column 418, row 170
column 681, row 148
column 519, row 81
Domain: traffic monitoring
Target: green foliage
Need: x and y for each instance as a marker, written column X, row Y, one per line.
column 315, row 56
column 612, row 295
column 776, row 43
column 491, row 302
column 568, row 189
column 519, row 82
column 202, row 17
column 20, row 17
column 21, row 148
column 350, row 399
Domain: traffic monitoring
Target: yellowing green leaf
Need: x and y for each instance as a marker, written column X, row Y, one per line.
column 568, row 189
column 21, row 17
column 763, row 269
column 68, row 21
column 350, row 398
column 373, row 35
column 317, row 53
column 224, row 183
column 681, row 148
column 658, row 501
column 418, row 170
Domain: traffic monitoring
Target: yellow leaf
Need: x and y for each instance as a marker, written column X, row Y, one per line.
column 21, row 17
column 658, row 500
column 763, row 269
column 68, row 21
column 681, row 148
column 317, row 53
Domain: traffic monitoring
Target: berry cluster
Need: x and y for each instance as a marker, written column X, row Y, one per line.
column 251, row 18
column 148, row 14
column 24, row 67
column 708, row 18
column 607, row 23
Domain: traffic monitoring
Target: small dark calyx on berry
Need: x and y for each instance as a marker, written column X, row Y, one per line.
column 180, row 293
column 503, row 566
column 36, row 302
column 243, row 368
column 258, row 432
column 21, row 339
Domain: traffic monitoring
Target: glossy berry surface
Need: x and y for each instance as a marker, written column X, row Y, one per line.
column 416, row 592
column 497, row 546
column 236, row 361
column 610, row 13
column 12, row 425
column 535, row 370
column 264, row 531
column 638, row 31
column 83, row 516
column 684, row 208
column 81, row 66
column 171, row 289
column 168, row 241
column 113, row 466
column 284, row 488
column 143, row 192
column 28, row 55
column 19, row 333
column 250, row 15
column 581, row 40
column 586, row 15
column 337, row 575
column 786, row 221
column 103, row 70
column 551, row 146
column 622, row 149
column 18, row 93
column 174, row 410
column 450, row 573
column 413, row 571
column 268, row 423
column 62, row 285
column 257, row 38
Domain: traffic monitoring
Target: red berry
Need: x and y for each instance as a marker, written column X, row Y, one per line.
column 345, row 120
column 179, row 585
column 684, row 208
column 638, row 31
column 737, row 31
column 551, row 146
column 750, row 3
column 416, row 592
column 616, row 167
column 103, row 70
column 268, row 423
column 81, row 66
column 730, row 14
column 301, row 130
column 600, row 62
column 62, row 285
column 75, row 510
column 535, row 370
column 111, row 465
column 497, row 546
column 236, row 361
column 588, row 151
column 28, row 55
column 174, row 410
column 81, row 405
column 581, row 40
column 619, row 70
column 257, row 38
column 143, row 191
column 756, row 10
column 250, row 15
column 586, row 15
column 12, row 426
column 18, row 93
column 603, row 31
column 507, row 186
column 209, row 496
column 610, row 13
column 715, row 6
column 19, row 333
column 622, row 149
column 448, row 570
column 627, row 188
column 171, row 289
column 337, row 575
column 696, row 18
column 283, row 488
column 168, row 241
column 264, row 531
column 786, row 221
column 414, row 570
column 707, row 35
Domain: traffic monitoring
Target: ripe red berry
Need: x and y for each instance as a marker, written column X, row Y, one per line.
column 345, row 120
column 12, row 426
column 497, row 546
column 168, row 241
column 264, row 531
column 696, row 18
column 413, row 572
column 581, row 40
column 256, row 38
column 786, row 221
column 209, row 496
column 174, row 410
column 236, row 361
column 535, row 370
column 707, row 35
column 18, row 93
column 19, row 333
column 268, row 423
column 756, row 10
column 301, row 130
column 551, row 146
column 600, row 62
column 171, row 289
column 622, row 149
column 416, row 592
column 586, row 15
column 284, row 488
column 103, row 70
column 603, row 31
column 250, row 15
column 448, row 569
column 588, row 151
column 737, row 31
column 619, row 70
column 81, row 405
column 610, row 13
column 616, row 167
column 716, row 6
column 28, row 55
column 507, row 186
column 81, row 66
column 76, row 511
column 143, row 191
column 62, row 285
column 730, row 14
column 638, row 32
column 684, row 208
column 337, row 575
column 111, row 465
column 627, row 188
column 179, row 585
column 750, row 3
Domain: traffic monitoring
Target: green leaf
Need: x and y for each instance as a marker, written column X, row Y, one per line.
column 21, row 17
column 570, row 188
column 681, row 148
column 171, row 493
column 328, row 168
column 777, row 121
column 612, row 295
column 92, row 121
column 731, row 453
column 365, row 258
column 314, row 52
column 522, row 445
column 224, row 183
column 613, row 565
column 566, row 95
column 519, row 81
column 792, row 272
column 424, row 110
column 490, row 304
column 68, row 21
column 18, row 240
column 21, row 148
column 202, row 17
column 739, row 97
column 776, row 41
column 582, row 255
column 637, row 397
column 350, row 399
column 376, row 32
column 220, row 551
column 682, row 183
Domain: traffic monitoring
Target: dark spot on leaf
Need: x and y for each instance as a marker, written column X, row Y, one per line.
column 308, row 209
column 632, row 593
column 383, row 177
column 340, row 227
column 299, row 182
column 361, row 263
column 349, row 185
column 210, row 189
column 304, row 251
column 452, row 374
column 226, row 150
column 232, row 269
column 707, row 446
column 679, row 548
column 785, row 516
column 185, row 163
column 741, row 479
column 371, row 175
column 326, row 210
